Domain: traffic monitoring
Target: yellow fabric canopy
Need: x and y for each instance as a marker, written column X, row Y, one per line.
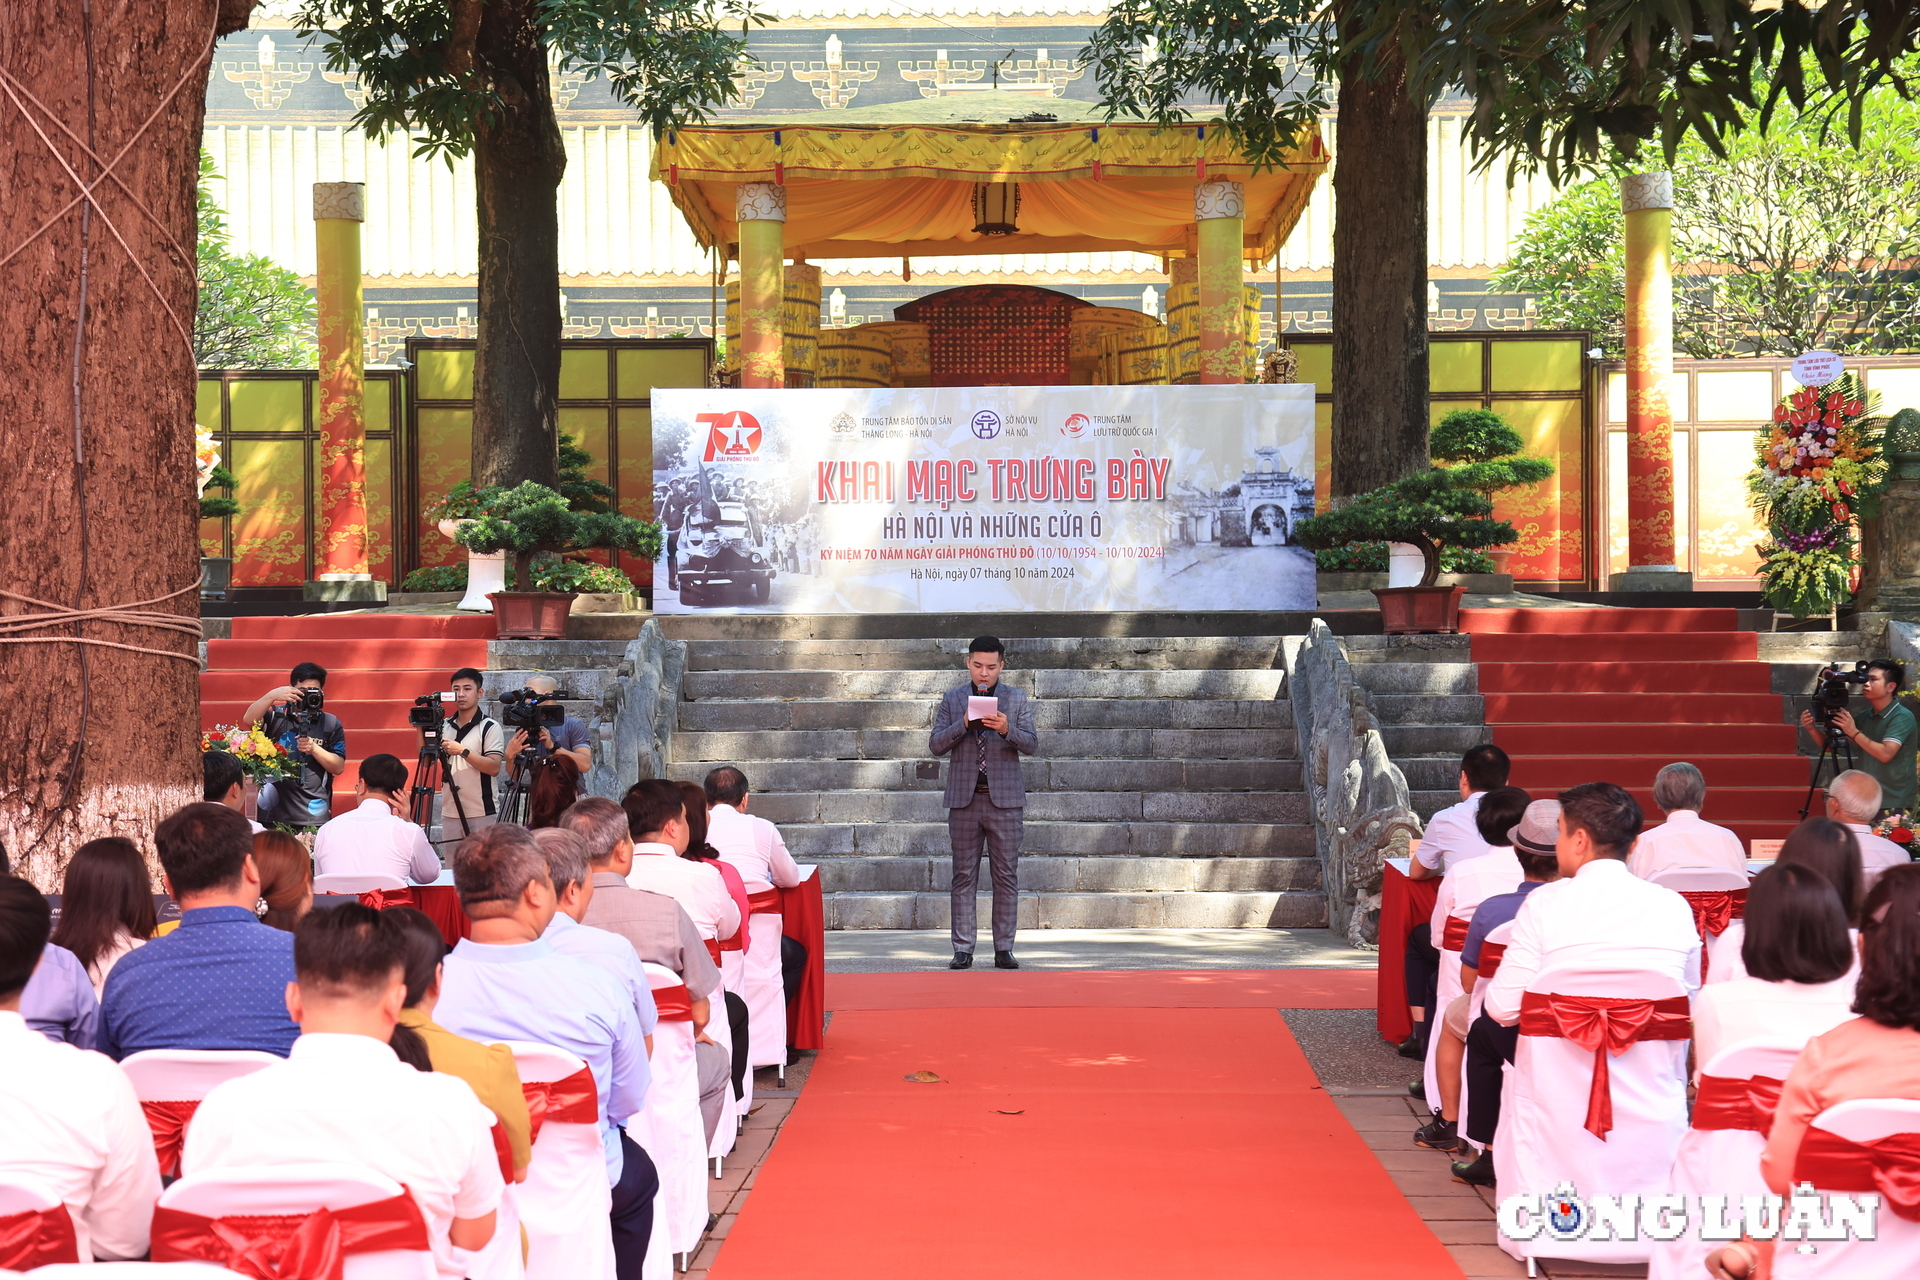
column 856, row 191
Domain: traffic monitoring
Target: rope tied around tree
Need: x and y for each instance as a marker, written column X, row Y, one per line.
column 132, row 614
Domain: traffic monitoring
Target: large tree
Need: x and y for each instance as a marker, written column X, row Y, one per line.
column 99, row 561
column 471, row 77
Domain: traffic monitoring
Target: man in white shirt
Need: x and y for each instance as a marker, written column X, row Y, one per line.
column 1451, row 837
column 1684, row 840
column 343, row 1096
column 657, row 815
column 1853, row 800
column 69, row 1121
column 750, row 845
column 373, row 839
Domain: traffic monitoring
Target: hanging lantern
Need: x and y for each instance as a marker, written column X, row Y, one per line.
column 996, row 208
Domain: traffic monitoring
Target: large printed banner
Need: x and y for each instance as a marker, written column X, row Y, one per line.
column 954, row 499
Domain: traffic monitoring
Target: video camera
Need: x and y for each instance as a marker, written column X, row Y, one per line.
column 525, row 709
column 429, row 715
column 1831, row 691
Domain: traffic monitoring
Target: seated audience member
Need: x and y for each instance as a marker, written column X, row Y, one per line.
column 657, row 927
column 1684, row 839
column 1799, row 962
column 373, row 838
column 59, row 1002
column 502, row 983
column 1483, row 880
column 743, row 840
column 106, row 905
column 225, row 782
column 286, row 879
column 1451, row 838
column 69, row 1120
column 1819, row 844
column 425, row 1045
column 343, row 1097
column 1854, row 799
column 219, row 981
column 698, row 850
column 554, row 788
column 657, row 864
column 1876, row 1055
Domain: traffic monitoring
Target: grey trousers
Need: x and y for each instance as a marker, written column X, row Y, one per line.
column 999, row 830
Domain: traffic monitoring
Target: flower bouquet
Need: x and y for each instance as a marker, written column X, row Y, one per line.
column 263, row 759
column 1819, row 467
column 1897, row 827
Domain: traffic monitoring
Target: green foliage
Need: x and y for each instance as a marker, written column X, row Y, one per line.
column 531, row 518
column 443, row 577
column 224, row 505
column 1571, row 255
column 1487, row 450
column 1433, row 510
column 463, row 502
column 253, row 312
column 584, row 576
column 1903, row 432
column 1373, row 557
column 582, row 492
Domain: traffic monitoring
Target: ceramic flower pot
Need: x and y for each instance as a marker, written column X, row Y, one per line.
column 485, row 573
column 532, row 615
column 1419, row 610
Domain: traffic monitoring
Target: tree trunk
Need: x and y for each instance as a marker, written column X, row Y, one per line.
column 1379, row 283
column 517, row 165
column 98, row 406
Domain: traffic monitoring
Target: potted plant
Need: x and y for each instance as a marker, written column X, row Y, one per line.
column 1433, row 510
column 486, row 573
column 1819, row 467
column 1484, row 451
column 216, row 572
column 531, row 518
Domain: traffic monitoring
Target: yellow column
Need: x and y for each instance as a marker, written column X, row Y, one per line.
column 761, row 208
column 340, row 524
column 1646, row 205
column 1219, row 212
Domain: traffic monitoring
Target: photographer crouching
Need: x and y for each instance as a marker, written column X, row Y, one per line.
column 293, row 717
column 1881, row 741
column 546, row 754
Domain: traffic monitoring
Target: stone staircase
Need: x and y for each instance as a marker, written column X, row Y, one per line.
column 1426, row 694
column 1166, row 792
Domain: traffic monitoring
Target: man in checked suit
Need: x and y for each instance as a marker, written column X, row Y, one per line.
column 985, row 796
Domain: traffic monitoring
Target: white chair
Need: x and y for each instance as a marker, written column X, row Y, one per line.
column 1446, row 990
column 764, row 990
column 1688, row 881
column 352, row 884
column 1542, row 1140
column 720, row 1031
column 670, row 1129
column 1720, row 959
column 565, row 1200
column 55, row 1241
column 1720, row 1161
column 1894, row 1253
column 170, row 1084
column 292, row 1191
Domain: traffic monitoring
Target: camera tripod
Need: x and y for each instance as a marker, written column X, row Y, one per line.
column 513, row 793
column 428, row 771
column 1833, row 746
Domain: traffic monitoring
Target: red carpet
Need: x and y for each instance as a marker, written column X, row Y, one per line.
column 1610, row 695
column 1106, row 989
column 376, row 666
column 1150, row 1143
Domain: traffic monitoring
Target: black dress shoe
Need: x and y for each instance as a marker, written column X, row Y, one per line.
column 1418, row 1089
column 1478, row 1172
column 961, row 960
column 1414, row 1046
column 1005, row 960
column 1439, row 1134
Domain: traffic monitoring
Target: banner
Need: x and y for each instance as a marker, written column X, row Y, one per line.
column 955, row 499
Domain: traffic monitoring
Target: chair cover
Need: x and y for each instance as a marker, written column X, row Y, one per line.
column 1720, row 959
column 131, row 1271
column 720, row 1031
column 356, row 883
column 1870, row 1146
column 565, row 1201
column 763, row 988
column 289, row 1189
column 1445, row 991
column 35, row 1228
column 1543, row 1140
column 170, row 1084
column 670, row 1128
column 1719, row 1155
column 1716, row 895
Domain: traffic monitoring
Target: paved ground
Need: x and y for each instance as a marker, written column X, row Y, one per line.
column 901, row 951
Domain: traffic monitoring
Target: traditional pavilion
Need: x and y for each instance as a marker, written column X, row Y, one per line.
column 985, row 173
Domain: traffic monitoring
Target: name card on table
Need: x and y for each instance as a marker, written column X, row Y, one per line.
column 1403, row 865
column 1764, row 850
column 806, row 870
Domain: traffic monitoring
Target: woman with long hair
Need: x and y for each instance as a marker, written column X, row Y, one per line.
column 555, row 786
column 425, row 1045
column 698, row 850
column 106, row 905
column 286, row 879
column 1819, row 844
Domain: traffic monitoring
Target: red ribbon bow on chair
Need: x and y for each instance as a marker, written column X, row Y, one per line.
column 37, row 1238
column 570, row 1100
column 289, row 1246
column 674, row 1004
column 1608, row 1027
column 1490, row 956
column 1890, row 1166
column 764, row 903
column 1454, row 936
column 1726, row 1102
column 168, row 1120
column 381, row 899
column 1713, row 911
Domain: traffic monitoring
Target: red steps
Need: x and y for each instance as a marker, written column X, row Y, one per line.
column 1593, row 622
column 1615, row 647
column 1557, row 773
column 1673, row 741
column 1626, row 677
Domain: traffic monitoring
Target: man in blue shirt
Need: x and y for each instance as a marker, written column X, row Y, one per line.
column 59, row 1002
column 219, row 981
column 508, row 982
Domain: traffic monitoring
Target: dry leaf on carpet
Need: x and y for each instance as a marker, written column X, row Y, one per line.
column 999, row 1112
column 923, row 1077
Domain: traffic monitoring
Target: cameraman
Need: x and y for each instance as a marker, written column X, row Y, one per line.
column 569, row 740
column 1885, row 736
column 316, row 740
column 472, row 748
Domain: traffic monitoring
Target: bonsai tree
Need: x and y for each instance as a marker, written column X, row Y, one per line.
column 582, row 491
column 1485, row 452
column 1434, row 510
column 531, row 519
column 222, row 504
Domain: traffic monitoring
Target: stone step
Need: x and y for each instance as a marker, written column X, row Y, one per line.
column 1817, row 647
column 1370, row 649
column 1440, row 741
column 770, row 778
column 818, row 840
column 1299, row 909
column 1042, row 874
column 555, row 655
column 917, row 713
column 1093, row 652
column 1417, row 677
column 1061, row 683
column 1430, row 709
column 1060, row 744
column 1431, row 773
column 1264, row 807
column 1428, row 803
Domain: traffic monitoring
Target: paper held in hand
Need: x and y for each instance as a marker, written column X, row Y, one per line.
column 979, row 708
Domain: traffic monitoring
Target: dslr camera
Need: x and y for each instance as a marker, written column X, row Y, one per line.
column 304, row 708
column 1831, row 691
column 525, row 709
